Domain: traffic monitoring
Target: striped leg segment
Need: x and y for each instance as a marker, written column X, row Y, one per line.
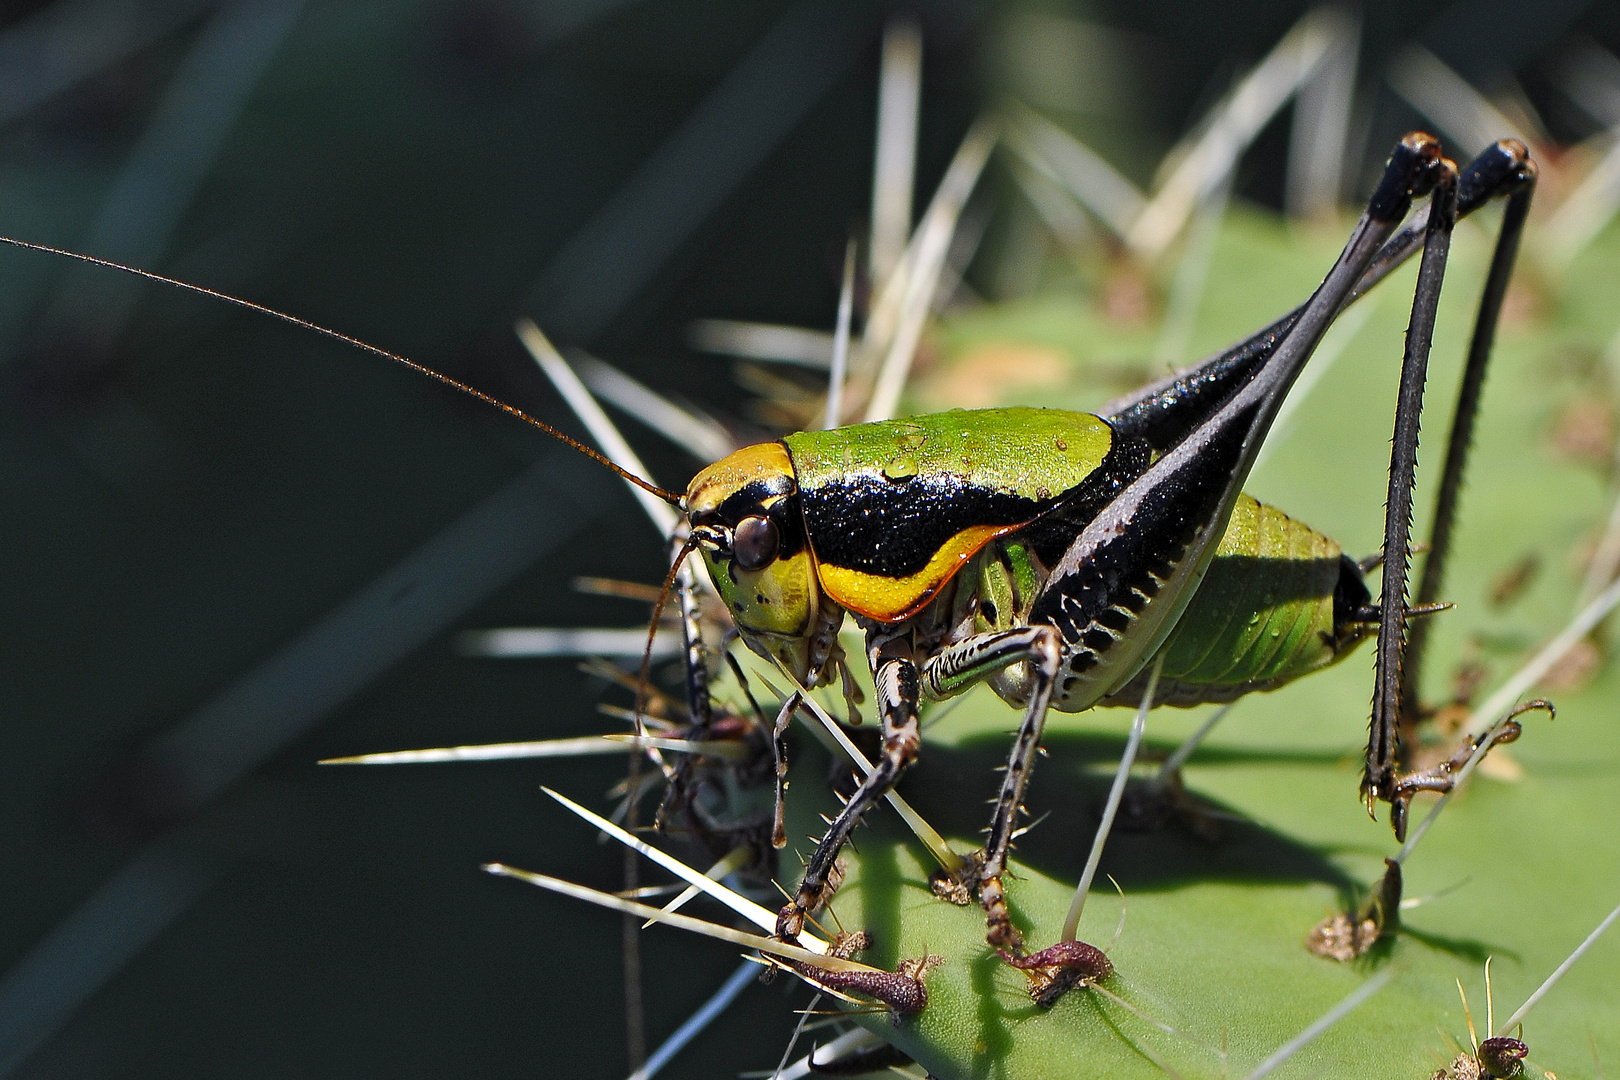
column 699, row 711
column 897, row 697
column 779, row 752
column 953, row 671
column 1402, row 480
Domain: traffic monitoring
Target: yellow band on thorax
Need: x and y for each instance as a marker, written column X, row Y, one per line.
column 892, row 599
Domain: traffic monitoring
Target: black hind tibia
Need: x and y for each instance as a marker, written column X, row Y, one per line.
column 1164, row 410
column 1504, row 170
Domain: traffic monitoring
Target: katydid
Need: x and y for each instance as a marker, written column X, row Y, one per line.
column 1059, row 556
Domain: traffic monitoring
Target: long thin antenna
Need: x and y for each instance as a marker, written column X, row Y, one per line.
column 615, row 449
column 353, row 342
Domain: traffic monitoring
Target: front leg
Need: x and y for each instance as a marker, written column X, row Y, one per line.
column 954, row 670
column 897, row 697
column 699, row 708
column 779, row 756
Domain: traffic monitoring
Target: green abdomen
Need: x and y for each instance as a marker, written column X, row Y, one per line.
column 1263, row 616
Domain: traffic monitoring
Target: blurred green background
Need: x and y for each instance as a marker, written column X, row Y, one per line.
column 229, row 548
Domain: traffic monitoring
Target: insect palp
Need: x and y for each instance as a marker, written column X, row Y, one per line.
column 716, row 538
column 698, row 692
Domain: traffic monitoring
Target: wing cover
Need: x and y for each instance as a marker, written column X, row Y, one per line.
column 894, row 509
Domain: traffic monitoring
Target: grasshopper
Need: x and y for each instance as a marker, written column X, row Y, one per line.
column 1060, row 556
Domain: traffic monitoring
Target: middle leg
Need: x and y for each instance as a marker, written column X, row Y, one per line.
column 897, row 698
column 954, row 670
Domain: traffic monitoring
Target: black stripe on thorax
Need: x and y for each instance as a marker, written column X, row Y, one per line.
column 867, row 522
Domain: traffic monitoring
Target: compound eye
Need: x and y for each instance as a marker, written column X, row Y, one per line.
column 754, row 543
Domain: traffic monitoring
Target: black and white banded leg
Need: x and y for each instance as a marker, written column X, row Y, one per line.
column 897, row 698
